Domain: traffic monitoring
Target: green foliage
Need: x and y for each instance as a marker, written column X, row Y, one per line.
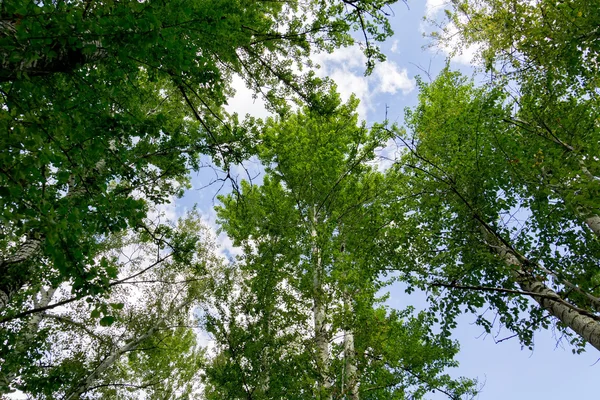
column 314, row 237
column 136, row 340
column 556, row 40
column 107, row 105
column 529, row 170
column 479, row 167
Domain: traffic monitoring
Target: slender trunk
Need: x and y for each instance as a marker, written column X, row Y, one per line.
column 351, row 376
column 116, row 354
column 13, row 272
column 583, row 325
column 29, row 333
column 44, row 300
column 108, row 362
column 16, row 270
column 593, row 223
column 319, row 317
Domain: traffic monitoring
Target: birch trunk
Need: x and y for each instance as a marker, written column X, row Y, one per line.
column 29, row 333
column 319, row 316
column 116, row 354
column 593, row 223
column 583, row 325
column 351, row 378
column 15, row 271
column 107, row 362
column 11, row 269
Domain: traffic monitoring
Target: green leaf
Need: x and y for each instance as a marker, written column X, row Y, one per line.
column 107, row 320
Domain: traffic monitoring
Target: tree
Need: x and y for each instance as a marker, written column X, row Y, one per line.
column 550, row 50
column 534, row 141
column 504, row 208
column 107, row 105
column 137, row 340
column 532, row 41
column 307, row 320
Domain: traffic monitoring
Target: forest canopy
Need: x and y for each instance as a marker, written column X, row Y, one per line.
column 489, row 201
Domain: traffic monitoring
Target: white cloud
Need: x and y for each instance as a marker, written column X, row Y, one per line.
column 346, row 67
column 451, row 47
column 350, row 83
column 394, row 48
column 243, row 101
column 387, row 155
column 433, row 7
column 167, row 210
column 224, row 242
column 391, row 78
column 348, row 57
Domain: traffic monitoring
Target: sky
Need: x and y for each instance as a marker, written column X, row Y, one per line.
column 549, row 372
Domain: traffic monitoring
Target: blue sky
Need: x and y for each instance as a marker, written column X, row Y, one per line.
column 550, row 371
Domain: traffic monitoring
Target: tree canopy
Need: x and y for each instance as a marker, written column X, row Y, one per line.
column 491, row 202
column 512, row 167
column 108, row 105
column 314, row 238
column 485, row 201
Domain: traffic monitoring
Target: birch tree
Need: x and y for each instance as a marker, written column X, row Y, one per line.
column 550, row 50
column 138, row 340
column 108, row 103
column 308, row 320
column 515, row 166
column 507, row 210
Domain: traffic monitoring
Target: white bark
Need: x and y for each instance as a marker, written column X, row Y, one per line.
column 44, row 300
column 593, row 223
column 583, row 325
column 29, row 333
column 351, row 376
column 116, row 354
column 319, row 316
column 26, row 251
column 12, row 283
column 107, row 363
column 593, row 299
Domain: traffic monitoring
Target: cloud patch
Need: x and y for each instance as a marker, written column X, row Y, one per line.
column 453, row 49
column 450, row 44
column 244, row 102
column 433, row 7
column 346, row 67
column 391, row 79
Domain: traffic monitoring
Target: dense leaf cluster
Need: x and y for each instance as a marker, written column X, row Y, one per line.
column 106, row 108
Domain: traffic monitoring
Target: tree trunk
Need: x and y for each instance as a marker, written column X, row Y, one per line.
column 351, row 376
column 593, row 223
column 14, row 269
column 107, row 362
column 29, row 333
column 319, row 317
column 114, row 355
column 583, row 325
